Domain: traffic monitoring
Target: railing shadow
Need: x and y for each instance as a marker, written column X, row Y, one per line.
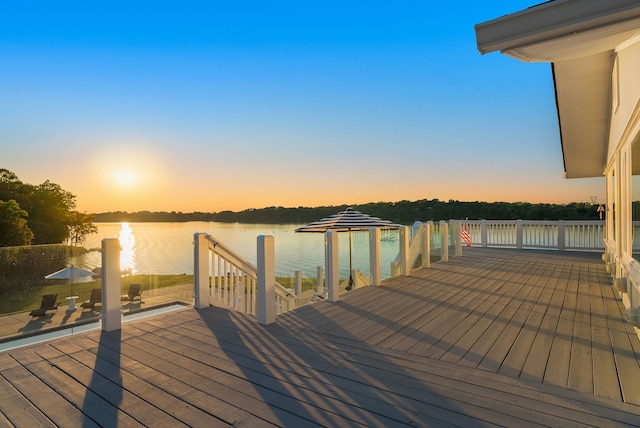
column 107, row 368
column 309, row 368
column 315, row 381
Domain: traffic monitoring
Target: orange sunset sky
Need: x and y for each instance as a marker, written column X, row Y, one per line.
column 226, row 106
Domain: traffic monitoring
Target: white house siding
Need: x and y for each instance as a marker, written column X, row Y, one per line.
column 625, row 93
column 623, row 162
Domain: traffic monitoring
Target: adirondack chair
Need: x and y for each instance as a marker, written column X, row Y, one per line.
column 48, row 304
column 304, row 298
column 96, row 297
column 133, row 293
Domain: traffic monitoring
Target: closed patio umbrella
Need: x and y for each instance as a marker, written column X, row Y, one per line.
column 346, row 221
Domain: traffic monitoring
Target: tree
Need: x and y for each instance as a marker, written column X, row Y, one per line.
column 13, row 225
column 48, row 206
column 50, row 217
column 10, row 186
column 79, row 226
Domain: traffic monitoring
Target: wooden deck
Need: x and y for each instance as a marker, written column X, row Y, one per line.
column 492, row 338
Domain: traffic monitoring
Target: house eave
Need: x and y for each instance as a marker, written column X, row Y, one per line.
column 550, row 23
column 580, row 39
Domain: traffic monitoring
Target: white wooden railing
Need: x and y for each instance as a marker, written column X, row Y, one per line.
column 559, row 235
column 233, row 280
column 415, row 244
column 224, row 278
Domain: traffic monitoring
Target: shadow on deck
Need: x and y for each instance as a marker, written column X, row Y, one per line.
column 495, row 337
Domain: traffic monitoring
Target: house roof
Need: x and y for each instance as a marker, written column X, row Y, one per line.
column 579, row 38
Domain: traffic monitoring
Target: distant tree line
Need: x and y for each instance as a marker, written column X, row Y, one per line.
column 402, row 212
column 39, row 214
column 155, row 216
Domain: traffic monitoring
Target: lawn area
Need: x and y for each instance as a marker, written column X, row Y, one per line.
column 29, row 298
column 14, row 303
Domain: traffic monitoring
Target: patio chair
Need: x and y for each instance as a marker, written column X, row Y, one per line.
column 304, row 298
column 133, row 293
column 96, row 297
column 48, row 304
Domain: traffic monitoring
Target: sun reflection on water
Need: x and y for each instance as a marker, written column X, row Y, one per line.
column 127, row 251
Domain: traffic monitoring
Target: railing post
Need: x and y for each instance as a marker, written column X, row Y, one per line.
column 201, row 270
column 519, row 234
column 320, row 279
column 374, row 256
column 404, row 250
column 457, row 237
column 483, row 234
column 266, row 308
column 562, row 243
column 331, row 265
column 444, row 241
column 111, row 304
column 297, row 284
column 426, row 244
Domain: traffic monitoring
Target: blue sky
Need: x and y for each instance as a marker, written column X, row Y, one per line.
column 213, row 105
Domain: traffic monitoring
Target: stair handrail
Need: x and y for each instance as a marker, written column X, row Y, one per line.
column 234, row 292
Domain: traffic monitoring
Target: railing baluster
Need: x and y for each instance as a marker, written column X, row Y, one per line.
column 578, row 235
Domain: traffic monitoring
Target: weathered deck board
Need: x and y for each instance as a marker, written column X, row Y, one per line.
column 505, row 356
column 492, row 338
column 577, row 407
column 136, row 382
column 536, row 362
column 422, row 332
column 505, row 285
column 626, row 358
column 286, row 359
column 559, row 360
column 605, row 384
column 15, row 407
column 275, row 371
column 179, row 376
column 581, row 367
column 62, row 413
column 514, row 362
column 95, row 408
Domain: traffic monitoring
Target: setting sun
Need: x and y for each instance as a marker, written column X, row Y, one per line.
column 128, row 174
column 124, row 177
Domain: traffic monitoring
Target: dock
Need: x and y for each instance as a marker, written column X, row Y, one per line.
column 494, row 337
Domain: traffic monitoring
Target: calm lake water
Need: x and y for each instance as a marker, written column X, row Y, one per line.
column 167, row 248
